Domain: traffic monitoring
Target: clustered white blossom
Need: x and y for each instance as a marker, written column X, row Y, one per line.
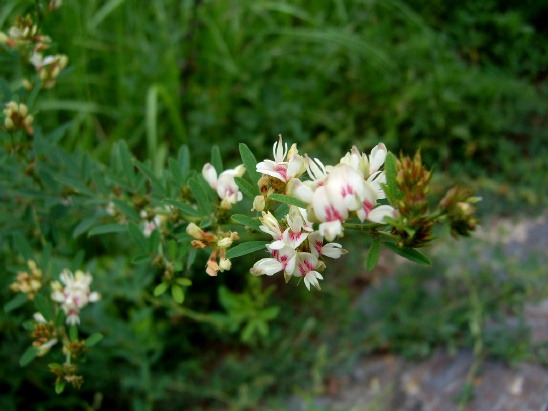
column 353, row 186
column 296, row 250
column 74, row 295
column 24, row 35
column 333, row 194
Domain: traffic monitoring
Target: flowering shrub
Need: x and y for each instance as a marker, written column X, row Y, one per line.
column 301, row 209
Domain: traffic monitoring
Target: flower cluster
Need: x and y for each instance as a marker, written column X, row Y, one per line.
column 25, row 37
column 335, row 193
column 18, row 117
column 74, row 295
column 24, row 33
column 28, row 282
column 219, row 243
column 297, row 250
column 49, row 67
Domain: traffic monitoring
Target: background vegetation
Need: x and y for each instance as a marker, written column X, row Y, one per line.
column 464, row 82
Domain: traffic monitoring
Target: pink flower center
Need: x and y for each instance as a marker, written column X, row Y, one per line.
column 347, row 190
column 332, row 213
column 305, row 267
column 282, row 170
column 318, row 245
column 367, row 207
column 294, row 236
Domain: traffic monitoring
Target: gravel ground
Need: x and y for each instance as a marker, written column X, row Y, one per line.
column 392, row 383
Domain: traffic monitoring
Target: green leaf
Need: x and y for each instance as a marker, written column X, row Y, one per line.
column 373, row 255
column 187, row 209
column 270, row 313
column 391, row 188
column 246, row 220
column 60, row 386
column 177, row 293
column 83, row 226
column 410, row 253
column 136, row 234
column 248, row 331
column 172, row 250
column 43, row 306
column 141, row 259
column 154, row 242
column 28, row 356
column 15, row 302
column 216, row 159
column 176, row 172
column 282, row 198
column 73, row 333
column 160, row 289
column 127, row 209
column 107, row 229
column 184, row 160
column 183, row 281
column 250, row 163
column 245, row 248
column 22, row 245
column 204, row 205
column 248, row 189
column 125, row 160
column 93, row 339
column 147, row 171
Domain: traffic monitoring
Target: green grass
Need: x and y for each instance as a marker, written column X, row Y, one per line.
column 327, row 77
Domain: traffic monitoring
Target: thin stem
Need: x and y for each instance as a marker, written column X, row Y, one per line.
column 184, row 311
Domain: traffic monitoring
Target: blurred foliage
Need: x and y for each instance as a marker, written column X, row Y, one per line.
column 465, row 82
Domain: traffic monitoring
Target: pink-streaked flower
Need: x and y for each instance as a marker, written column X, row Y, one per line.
column 342, row 191
column 346, row 185
column 376, row 158
column 330, row 211
column 226, row 187
column 282, row 259
column 377, row 214
column 305, row 267
column 281, row 168
column 75, row 294
column 366, row 165
column 317, row 247
column 357, row 161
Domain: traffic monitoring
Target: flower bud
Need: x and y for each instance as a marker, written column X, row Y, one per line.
column 194, row 231
column 224, row 243
column 226, row 204
column 224, row 264
column 258, row 203
column 9, row 123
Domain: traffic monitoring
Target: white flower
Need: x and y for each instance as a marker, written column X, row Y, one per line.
column 376, row 158
column 305, row 266
column 357, row 161
column 367, row 166
column 317, row 247
column 226, row 187
column 75, row 294
column 282, row 259
column 271, row 225
column 280, row 168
